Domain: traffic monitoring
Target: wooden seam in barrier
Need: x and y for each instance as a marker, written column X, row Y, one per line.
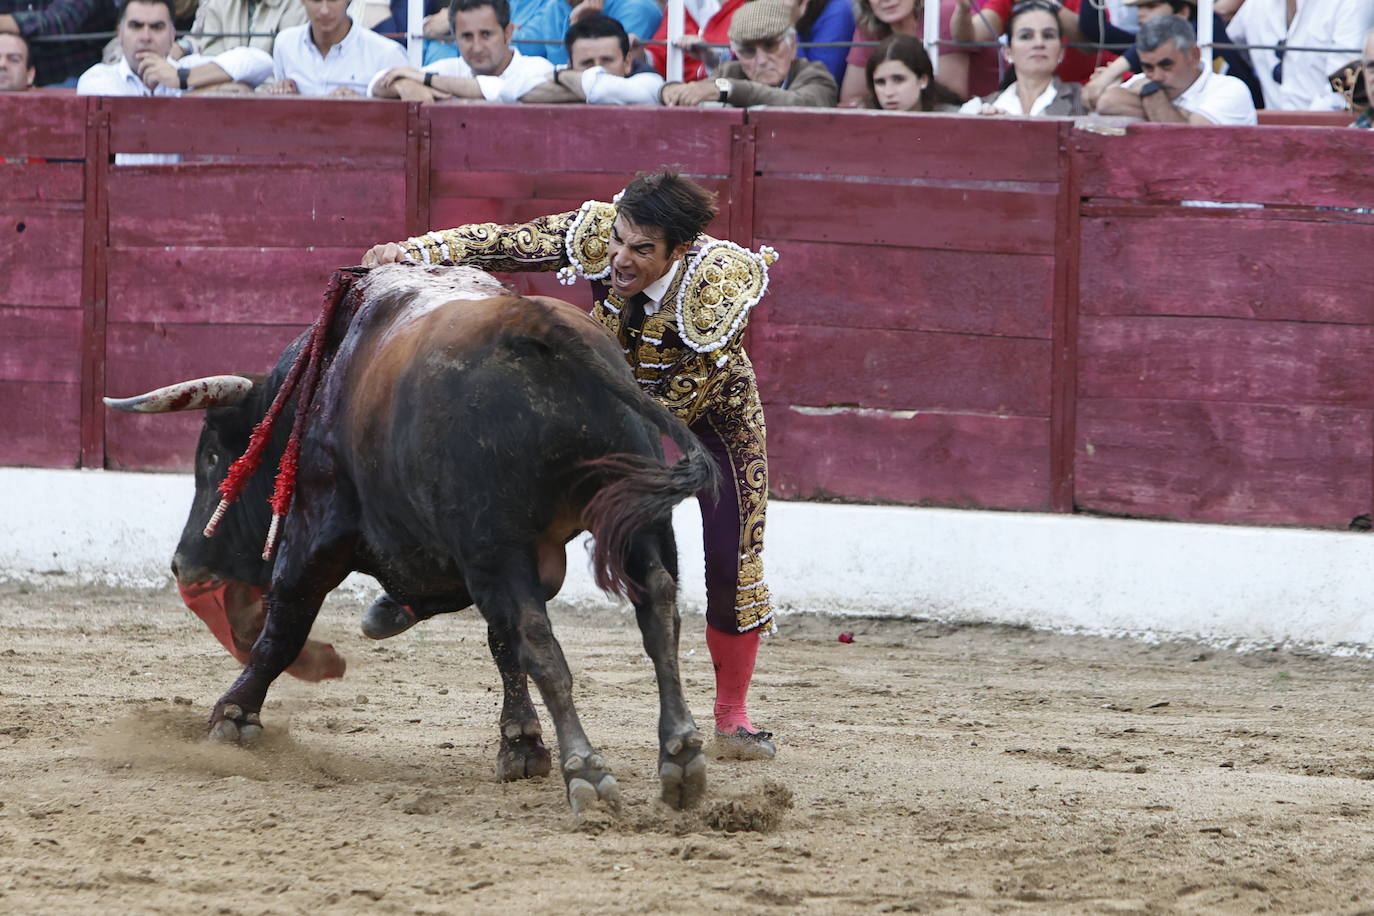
column 968, row 312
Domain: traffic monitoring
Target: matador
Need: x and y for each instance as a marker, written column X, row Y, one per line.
column 678, row 301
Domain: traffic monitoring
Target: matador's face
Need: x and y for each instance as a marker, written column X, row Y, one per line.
column 639, row 256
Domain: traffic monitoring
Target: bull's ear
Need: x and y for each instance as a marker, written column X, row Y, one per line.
column 196, row 394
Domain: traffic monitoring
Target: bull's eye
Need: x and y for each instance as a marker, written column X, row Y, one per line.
column 212, row 459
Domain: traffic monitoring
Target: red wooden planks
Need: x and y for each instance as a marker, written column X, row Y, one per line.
column 889, row 145
column 898, row 370
column 914, row 216
column 41, row 254
column 581, row 138
column 298, row 130
column 917, row 289
column 40, row 345
column 928, row 459
column 1288, row 166
column 42, row 423
column 277, row 206
column 1213, row 462
column 142, row 357
column 222, row 285
column 1212, row 359
column 1274, row 269
column 41, row 181
column 43, row 124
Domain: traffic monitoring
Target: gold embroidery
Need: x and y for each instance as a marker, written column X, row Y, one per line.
column 588, row 242
column 721, row 284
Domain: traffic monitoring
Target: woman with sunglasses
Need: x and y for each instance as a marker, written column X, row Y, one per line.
column 1035, row 46
column 900, row 78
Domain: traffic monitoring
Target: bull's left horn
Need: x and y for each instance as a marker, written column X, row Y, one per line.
column 197, row 394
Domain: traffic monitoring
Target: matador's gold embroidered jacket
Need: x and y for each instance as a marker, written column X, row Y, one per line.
column 686, row 350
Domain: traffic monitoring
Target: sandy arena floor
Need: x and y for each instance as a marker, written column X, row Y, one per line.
column 932, row 769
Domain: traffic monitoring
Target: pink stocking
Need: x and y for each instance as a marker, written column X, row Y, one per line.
column 733, row 657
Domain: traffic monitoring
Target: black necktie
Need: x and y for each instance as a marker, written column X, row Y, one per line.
column 634, row 316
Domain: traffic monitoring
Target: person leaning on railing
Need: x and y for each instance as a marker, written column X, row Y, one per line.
column 985, row 20
column 1174, row 87
column 600, row 71
column 1035, row 48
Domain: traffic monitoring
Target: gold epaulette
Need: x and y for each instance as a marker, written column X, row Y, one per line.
column 587, row 243
column 723, row 282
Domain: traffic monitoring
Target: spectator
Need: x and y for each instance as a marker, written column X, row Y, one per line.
column 1297, row 80
column 986, row 22
column 489, row 67
column 330, row 55
column 541, row 24
column 704, row 22
column 1093, row 29
column 767, row 72
column 824, row 22
column 972, row 72
column 1360, row 83
column 58, row 62
column 601, row 71
column 1174, row 87
column 220, row 24
column 1035, row 47
column 900, row 78
column 16, row 70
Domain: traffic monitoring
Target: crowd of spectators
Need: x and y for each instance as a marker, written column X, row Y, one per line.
column 997, row 57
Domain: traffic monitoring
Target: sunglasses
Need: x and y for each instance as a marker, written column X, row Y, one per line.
column 1278, row 67
column 766, row 46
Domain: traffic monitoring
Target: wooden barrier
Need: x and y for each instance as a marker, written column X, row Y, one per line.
column 968, row 312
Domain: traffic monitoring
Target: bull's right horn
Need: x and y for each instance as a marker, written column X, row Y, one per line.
column 197, row 394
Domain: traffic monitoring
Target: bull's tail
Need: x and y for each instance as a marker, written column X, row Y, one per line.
column 638, row 491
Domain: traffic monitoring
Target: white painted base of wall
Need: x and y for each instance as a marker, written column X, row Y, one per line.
column 1218, row 584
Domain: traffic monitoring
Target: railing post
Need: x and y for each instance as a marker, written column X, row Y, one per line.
column 95, row 237
column 417, row 170
column 1064, row 371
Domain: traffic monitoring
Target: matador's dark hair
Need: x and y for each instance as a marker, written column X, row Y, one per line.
column 665, row 200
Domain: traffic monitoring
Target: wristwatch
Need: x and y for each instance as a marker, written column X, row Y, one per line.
column 429, row 78
column 723, row 86
column 1150, row 88
column 184, row 79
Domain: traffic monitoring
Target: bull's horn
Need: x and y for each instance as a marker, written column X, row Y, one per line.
column 197, row 394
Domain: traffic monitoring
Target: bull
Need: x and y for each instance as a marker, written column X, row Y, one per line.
column 459, row 438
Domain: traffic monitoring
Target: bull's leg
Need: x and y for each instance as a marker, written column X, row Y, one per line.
column 511, row 599
column 292, row 604
column 522, row 753
column 681, row 763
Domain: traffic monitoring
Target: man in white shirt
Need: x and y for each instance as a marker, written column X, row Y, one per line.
column 600, row 70
column 330, row 55
column 145, row 37
column 1175, row 88
column 1297, row 80
column 487, row 66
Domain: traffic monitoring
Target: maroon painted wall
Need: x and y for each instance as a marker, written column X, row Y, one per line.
column 968, row 312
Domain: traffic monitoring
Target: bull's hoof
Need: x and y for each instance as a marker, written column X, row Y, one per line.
column 682, row 771
column 387, row 617
column 743, row 744
column 590, row 782
column 522, row 754
column 231, row 725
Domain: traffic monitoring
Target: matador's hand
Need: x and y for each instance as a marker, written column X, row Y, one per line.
column 389, row 253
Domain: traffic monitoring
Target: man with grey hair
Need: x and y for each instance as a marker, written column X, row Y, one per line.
column 767, row 71
column 1175, row 88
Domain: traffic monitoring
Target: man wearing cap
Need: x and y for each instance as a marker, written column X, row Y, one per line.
column 767, row 70
column 1174, row 87
column 678, row 302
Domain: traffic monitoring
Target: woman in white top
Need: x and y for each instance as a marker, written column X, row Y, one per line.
column 1034, row 47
